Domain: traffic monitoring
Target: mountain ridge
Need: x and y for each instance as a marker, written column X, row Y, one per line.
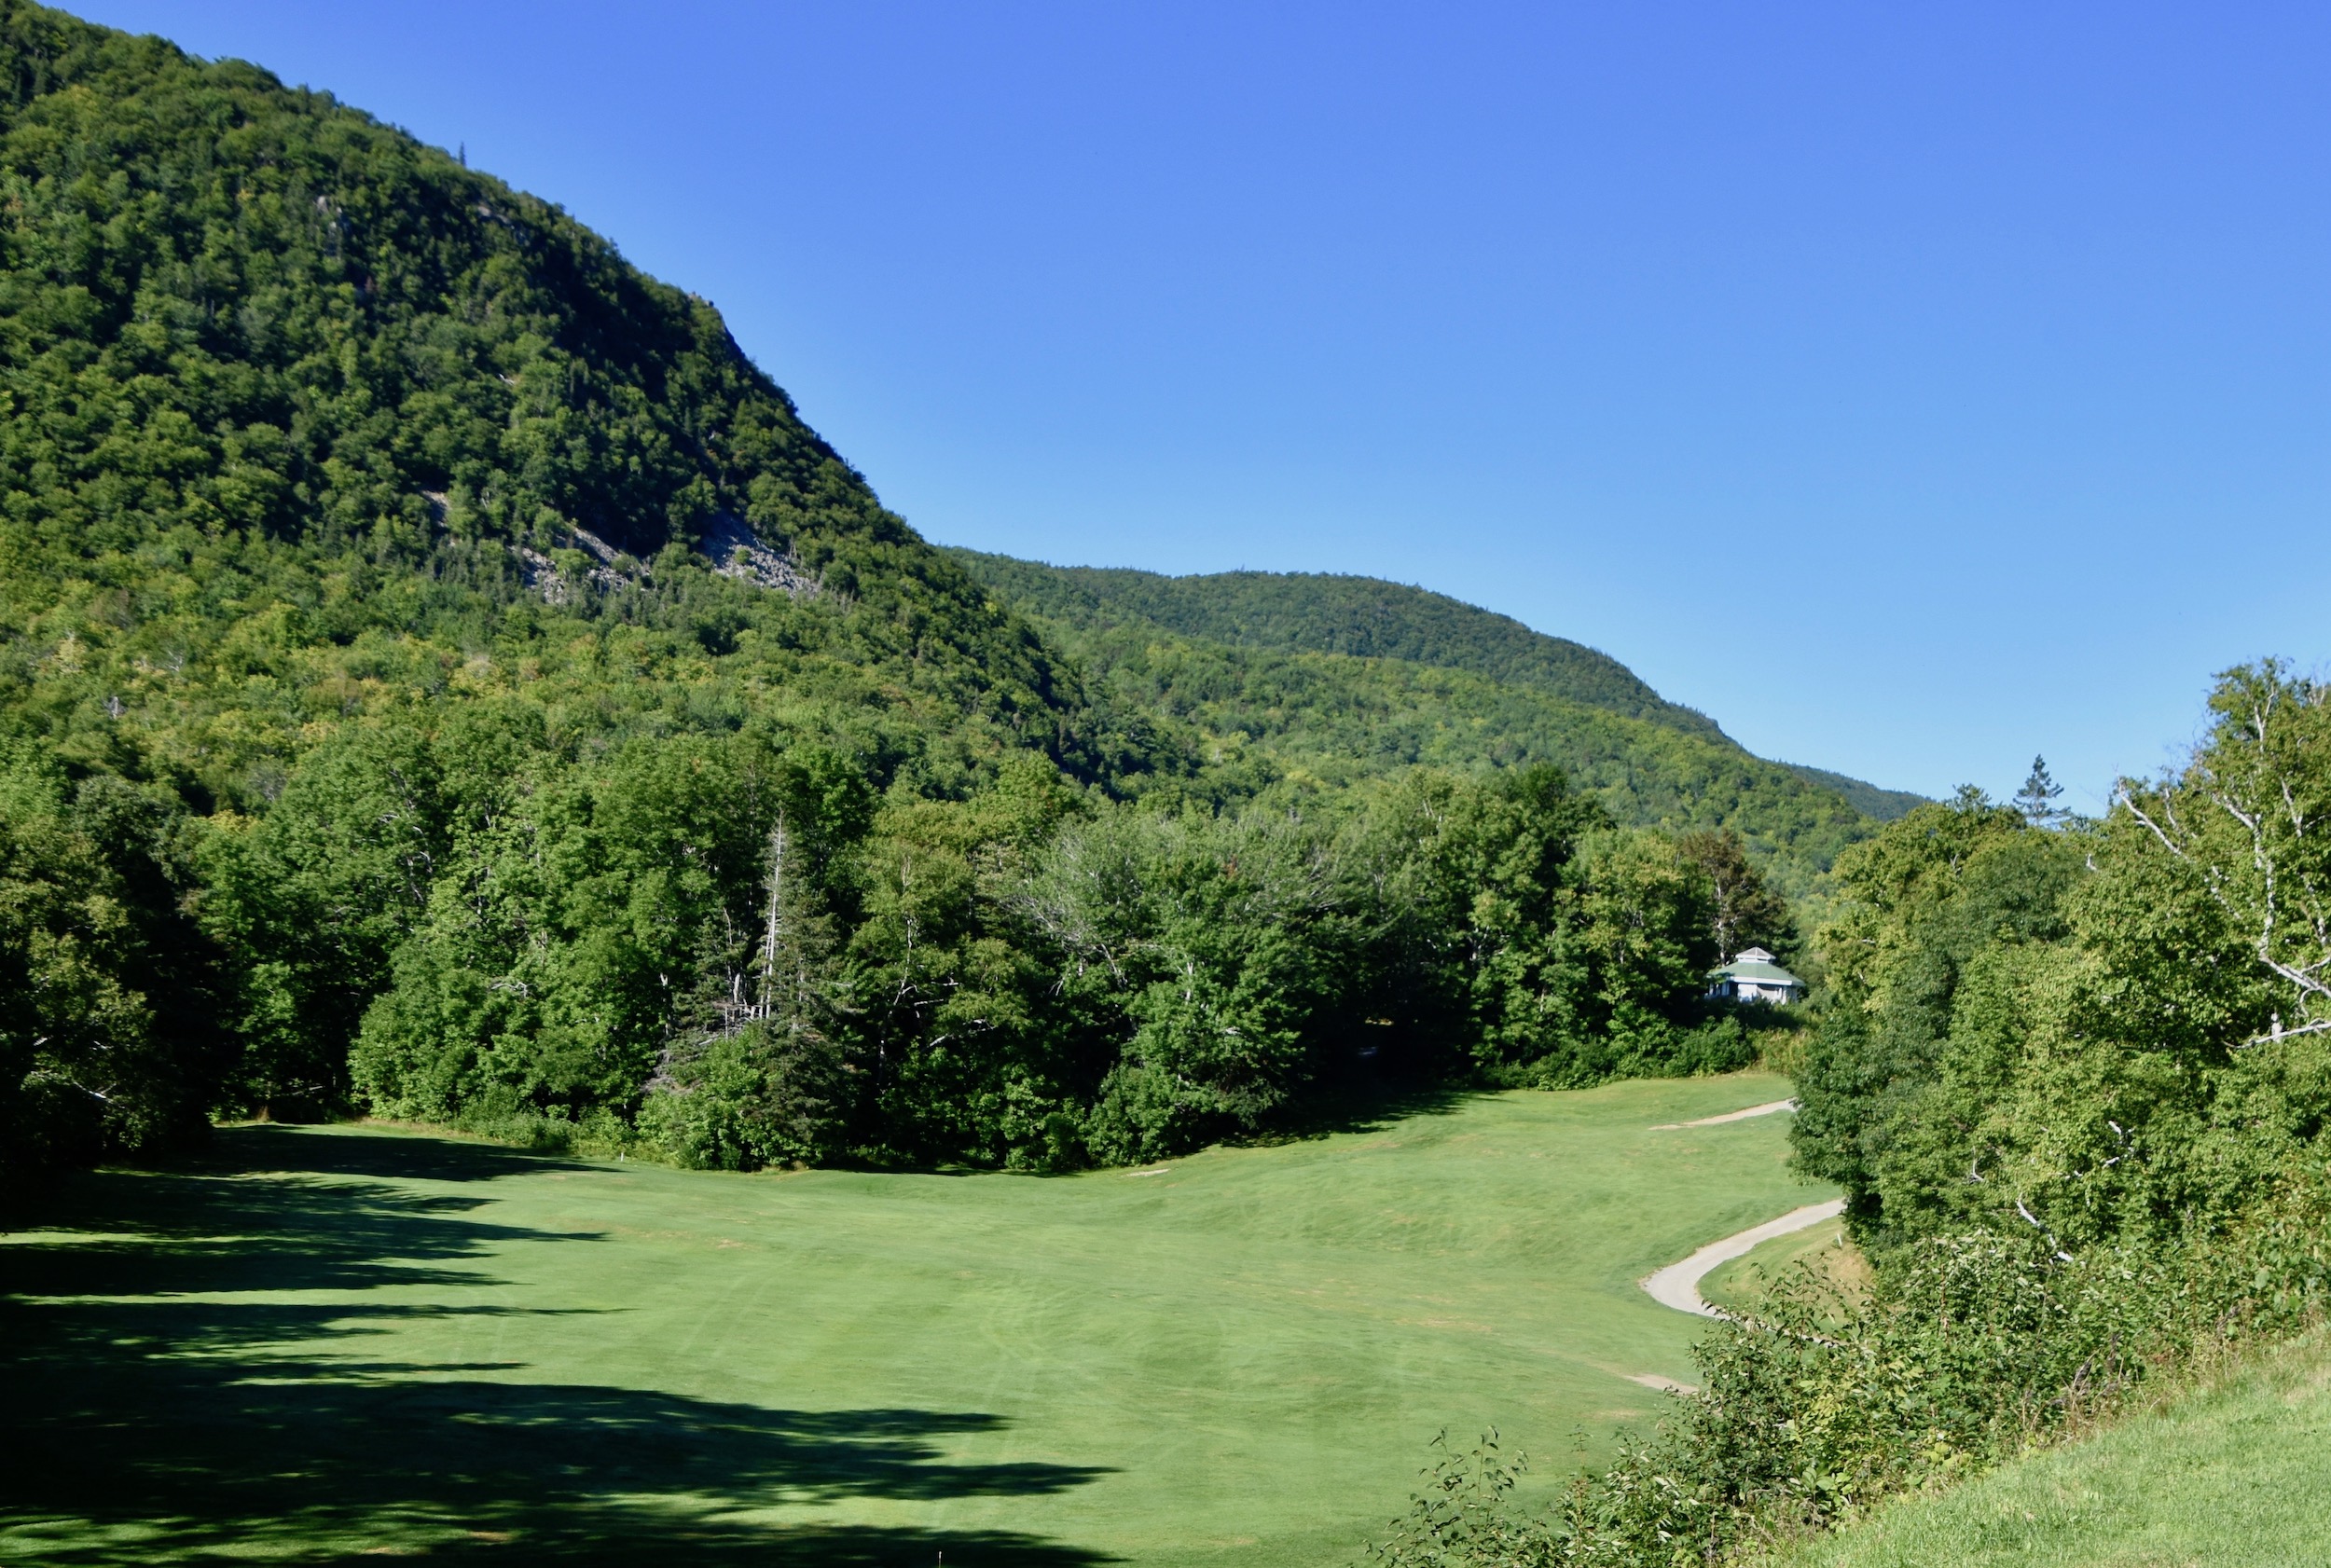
column 1355, row 616
column 1334, row 613
column 1873, row 800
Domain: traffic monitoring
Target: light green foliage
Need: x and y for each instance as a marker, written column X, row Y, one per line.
column 1646, row 927
column 1469, row 886
column 1517, row 927
column 2073, row 1082
column 1879, row 806
column 728, row 945
column 1319, row 612
column 1966, row 1351
column 2113, row 1030
column 567, row 917
column 1938, row 910
column 1465, row 1515
column 320, row 894
column 1216, row 949
column 1236, row 1360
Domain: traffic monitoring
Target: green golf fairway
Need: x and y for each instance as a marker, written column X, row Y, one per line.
column 320, row 1343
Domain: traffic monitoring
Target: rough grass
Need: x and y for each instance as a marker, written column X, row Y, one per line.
column 2231, row 1476
column 1743, row 1285
column 319, row 1344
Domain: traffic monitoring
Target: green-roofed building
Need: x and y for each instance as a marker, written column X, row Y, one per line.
column 1755, row 976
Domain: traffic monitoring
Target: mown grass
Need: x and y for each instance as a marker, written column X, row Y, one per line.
column 322, row 1343
column 2231, row 1476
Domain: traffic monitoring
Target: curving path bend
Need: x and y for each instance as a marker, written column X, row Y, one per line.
column 1677, row 1286
column 1772, row 1107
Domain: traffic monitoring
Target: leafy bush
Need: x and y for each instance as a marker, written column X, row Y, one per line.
column 110, row 993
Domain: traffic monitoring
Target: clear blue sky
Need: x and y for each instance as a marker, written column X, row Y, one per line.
column 1912, row 386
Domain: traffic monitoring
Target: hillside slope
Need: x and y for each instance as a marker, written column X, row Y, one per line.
column 1877, row 804
column 2231, row 1476
column 1321, row 613
column 1270, row 671
column 369, row 531
column 439, row 674
column 309, row 422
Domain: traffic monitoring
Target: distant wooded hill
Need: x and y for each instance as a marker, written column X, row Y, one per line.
column 1321, row 613
column 1338, row 678
column 1881, row 806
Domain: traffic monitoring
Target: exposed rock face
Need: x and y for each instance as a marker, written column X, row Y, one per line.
column 736, row 551
column 542, row 574
column 730, row 544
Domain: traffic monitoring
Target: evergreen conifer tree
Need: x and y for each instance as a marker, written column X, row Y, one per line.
column 2036, row 800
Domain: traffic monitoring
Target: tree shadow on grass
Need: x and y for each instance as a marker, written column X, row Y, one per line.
column 1358, row 1100
column 155, row 1417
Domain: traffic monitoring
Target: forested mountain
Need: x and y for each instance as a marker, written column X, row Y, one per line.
column 304, row 416
column 1878, row 805
column 1321, row 613
column 358, row 509
column 440, row 676
column 1333, row 679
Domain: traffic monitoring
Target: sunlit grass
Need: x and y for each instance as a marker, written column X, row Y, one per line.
column 2230, row 1477
column 325, row 1343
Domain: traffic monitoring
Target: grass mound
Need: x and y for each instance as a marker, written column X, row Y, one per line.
column 325, row 1343
column 2229, row 1476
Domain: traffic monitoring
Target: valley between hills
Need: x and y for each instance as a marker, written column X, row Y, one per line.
column 573, row 990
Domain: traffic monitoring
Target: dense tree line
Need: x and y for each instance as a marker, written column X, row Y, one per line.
column 2096, row 1031
column 440, row 675
column 744, row 946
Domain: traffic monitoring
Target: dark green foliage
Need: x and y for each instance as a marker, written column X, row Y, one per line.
column 109, row 990
column 1317, row 613
column 1745, row 911
column 1879, row 806
column 2037, row 799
